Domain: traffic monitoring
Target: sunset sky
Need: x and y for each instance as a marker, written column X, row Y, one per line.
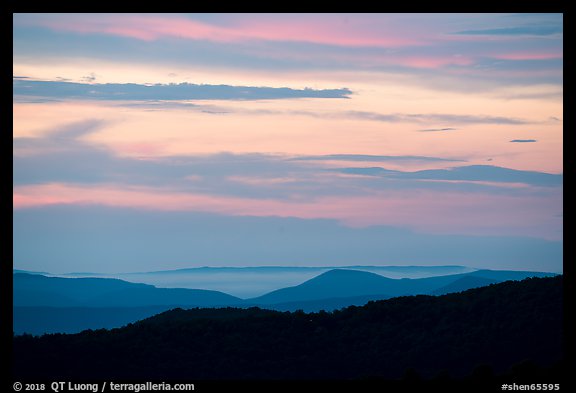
column 149, row 142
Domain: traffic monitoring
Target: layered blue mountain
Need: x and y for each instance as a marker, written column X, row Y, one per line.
column 337, row 283
column 343, row 288
column 69, row 305
column 52, row 304
column 250, row 282
column 37, row 290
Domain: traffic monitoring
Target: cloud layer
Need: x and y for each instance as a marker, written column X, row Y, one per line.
column 172, row 140
column 404, row 44
column 465, row 199
column 161, row 92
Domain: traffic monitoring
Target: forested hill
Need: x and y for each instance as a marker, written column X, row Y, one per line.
column 496, row 327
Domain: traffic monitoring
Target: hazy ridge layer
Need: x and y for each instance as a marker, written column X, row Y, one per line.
column 253, row 281
column 69, row 305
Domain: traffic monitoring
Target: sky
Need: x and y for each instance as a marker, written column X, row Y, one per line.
column 146, row 142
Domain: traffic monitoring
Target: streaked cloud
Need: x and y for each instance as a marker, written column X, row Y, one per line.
column 516, row 31
column 286, row 42
column 182, row 91
column 438, row 129
column 372, row 158
column 436, row 118
column 542, row 54
column 240, row 175
column 82, row 174
column 523, row 140
column 485, row 173
column 426, row 211
column 178, row 96
column 332, row 29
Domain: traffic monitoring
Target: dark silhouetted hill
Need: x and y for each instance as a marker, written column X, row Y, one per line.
column 329, row 304
column 479, row 332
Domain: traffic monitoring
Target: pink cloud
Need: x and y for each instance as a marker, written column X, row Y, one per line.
column 323, row 30
column 142, row 27
column 326, row 29
column 422, row 211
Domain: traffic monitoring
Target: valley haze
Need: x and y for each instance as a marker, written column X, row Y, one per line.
column 50, row 304
column 254, row 281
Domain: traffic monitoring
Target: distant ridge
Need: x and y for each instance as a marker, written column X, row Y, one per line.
column 399, row 268
column 52, row 304
column 439, row 268
column 335, row 286
column 252, row 281
column 331, row 284
column 38, row 290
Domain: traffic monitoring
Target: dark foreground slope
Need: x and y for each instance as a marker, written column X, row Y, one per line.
column 496, row 326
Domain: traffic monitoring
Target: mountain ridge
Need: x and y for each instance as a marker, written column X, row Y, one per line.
column 333, row 284
column 38, row 290
column 76, row 300
column 252, row 281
